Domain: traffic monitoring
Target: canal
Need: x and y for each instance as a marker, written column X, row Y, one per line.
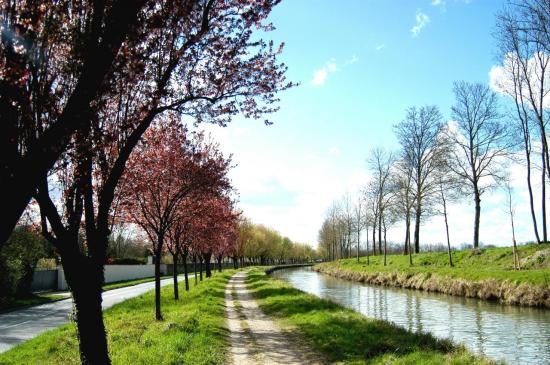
column 517, row 335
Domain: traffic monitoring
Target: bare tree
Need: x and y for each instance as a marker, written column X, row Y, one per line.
column 523, row 37
column 511, row 210
column 371, row 198
column 390, row 217
column 347, row 220
column 479, row 143
column 419, row 136
column 359, row 223
column 380, row 163
column 404, row 200
column 448, row 192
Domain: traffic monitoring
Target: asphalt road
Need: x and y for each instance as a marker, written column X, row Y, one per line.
column 23, row 324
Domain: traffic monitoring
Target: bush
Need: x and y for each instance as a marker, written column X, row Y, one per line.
column 18, row 258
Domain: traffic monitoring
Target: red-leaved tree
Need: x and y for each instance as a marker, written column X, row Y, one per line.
column 196, row 58
column 167, row 167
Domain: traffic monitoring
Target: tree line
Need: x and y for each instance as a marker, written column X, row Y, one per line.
column 261, row 245
column 440, row 162
column 81, row 84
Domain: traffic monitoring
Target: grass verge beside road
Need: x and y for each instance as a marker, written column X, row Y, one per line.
column 345, row 336
column 482, row 273
column 192, row 332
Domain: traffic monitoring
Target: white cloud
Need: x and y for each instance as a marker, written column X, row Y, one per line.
column 421, row 21
column 438, row 2
column 379, row 47
column 334, row 151
column 320, row 75
column 501, row 77
column 352, row 60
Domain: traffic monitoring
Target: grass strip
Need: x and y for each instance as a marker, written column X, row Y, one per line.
column 470, row 264
column 193, row 331
column 347, row 337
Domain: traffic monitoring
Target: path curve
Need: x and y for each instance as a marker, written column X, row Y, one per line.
column 254, row 337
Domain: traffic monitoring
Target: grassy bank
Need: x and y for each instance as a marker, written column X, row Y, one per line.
column 345, row 336
column 192, row 332
column 485, row 273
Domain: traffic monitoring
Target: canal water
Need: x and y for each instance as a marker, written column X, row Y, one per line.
column 517, row 335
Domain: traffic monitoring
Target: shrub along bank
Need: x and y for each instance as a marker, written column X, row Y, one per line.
column 345, row 336
column 481, row 273
column 192, row 332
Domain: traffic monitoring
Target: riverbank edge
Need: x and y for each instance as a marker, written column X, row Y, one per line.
column 269, row 270
column 505, row 292
column 346, row 336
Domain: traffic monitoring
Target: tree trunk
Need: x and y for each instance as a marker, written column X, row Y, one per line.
column 418, row 215
column 184, row 257
column 358, row 243
column 531, row 200
column 195, row 268
column 367, row 244
column 85, row 280
column 374, row 239
column 158, row 314
column 385, row 245
column 219, row 259
column 175, row 274
column 380, row 233
column 208, row 269
column 543, row 198
column 410, row 252
column 200, row 267
column 407, row 232
column 477, row 201
column 447, row 229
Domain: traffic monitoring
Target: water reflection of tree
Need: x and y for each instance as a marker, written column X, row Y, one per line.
column 418, row 313
column 480, row 333
column 408, row 312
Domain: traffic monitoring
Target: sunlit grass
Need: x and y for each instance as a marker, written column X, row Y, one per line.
column 490, row 263
column 192, row 332
column 344, row 336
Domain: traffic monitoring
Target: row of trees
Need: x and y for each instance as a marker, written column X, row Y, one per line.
column 175, row 189
column 260, row 245
column 438, row 163
column 466, row 157
column 82, row 82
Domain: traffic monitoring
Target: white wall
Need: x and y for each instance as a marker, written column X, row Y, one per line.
column 115, row 273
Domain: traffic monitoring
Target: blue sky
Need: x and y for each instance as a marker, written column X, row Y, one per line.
column 360, row 63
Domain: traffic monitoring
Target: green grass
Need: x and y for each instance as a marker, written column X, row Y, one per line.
column 473, row 265
column 192, row 332
column 345, row 336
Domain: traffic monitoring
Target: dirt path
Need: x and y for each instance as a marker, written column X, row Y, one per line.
column 255, row 338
